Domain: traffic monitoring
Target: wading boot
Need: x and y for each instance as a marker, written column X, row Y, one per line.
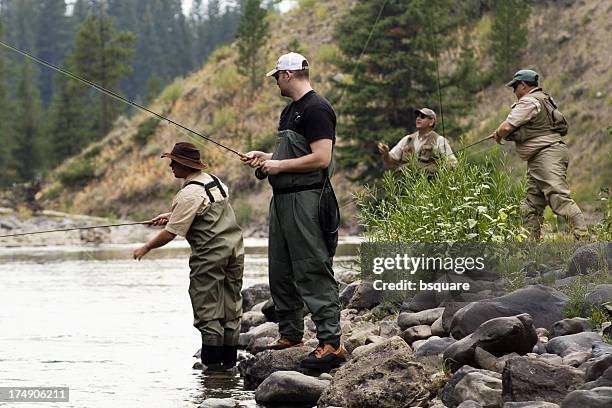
column 211, row 356
column 229, row 356
column 283, row 343
column 325, row 357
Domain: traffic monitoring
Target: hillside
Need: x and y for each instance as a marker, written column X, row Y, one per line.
column 123, row 175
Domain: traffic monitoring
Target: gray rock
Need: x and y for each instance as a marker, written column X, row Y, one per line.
column 389, row 328
column 425, row 317
column 449, row 313
column 542, row 332
column 414, row 333
column 267, row 329
column 449, row 395
column 564, row 345
column 254, row 294
column 469, row 404
column 488, row 361
column 527, row 379
column 544, row 304
column 596, row 398
column 359, row 335
column 269, row 311
column 347, row 293
column 218, row 403
column 251, row 319
column 551, row 358
column 259, row 344
column 570, row 326
column 589, row 258
column 290, row 387
column 597, row 366
column 605, row 380
column 387, row 377
column 326, row 377
column 434, row 346
column 530, row 404
column 482, row 386
column 576, row 358
column 267, row 362
column 594, row 299
column 437, row 329
column 365, row 297
column 498, row 336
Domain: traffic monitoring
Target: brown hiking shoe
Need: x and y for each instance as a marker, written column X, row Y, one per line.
column 325, row 357
column 282, row 344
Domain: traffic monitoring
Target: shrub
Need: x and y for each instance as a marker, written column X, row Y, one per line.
column 173, row 91
column 77, row 172
column 327, row 53
column 467, row 203
column 228, row 80
column 603, row 229
column 145, row 130
column 222, row 118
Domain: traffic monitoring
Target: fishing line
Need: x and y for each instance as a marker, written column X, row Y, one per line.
column 76, row 228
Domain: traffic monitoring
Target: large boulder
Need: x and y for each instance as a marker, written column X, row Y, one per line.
column 595, row 298
column 499, row 336
column 481, row 386
column 542, row 303
column 386, row 377
column 434, row 347
column 605, row 380
column 267, row 362
column 254, row 294
column 564, row 345
column 570, row 326
column 365, row 296
column 290, row 387
column 596, row 398
column 415, row 333
column 425, row 317
column 528, row 379
column 602, row 359
column 449, row 394
column 590, row 258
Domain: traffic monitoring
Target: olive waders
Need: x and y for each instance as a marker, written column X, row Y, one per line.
column 547, row 170
column 300, row 265
column 215, row 281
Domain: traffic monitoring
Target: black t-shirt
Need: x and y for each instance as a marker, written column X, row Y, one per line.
column 311, row 116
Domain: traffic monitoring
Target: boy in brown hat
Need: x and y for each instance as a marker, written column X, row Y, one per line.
column 202, row 214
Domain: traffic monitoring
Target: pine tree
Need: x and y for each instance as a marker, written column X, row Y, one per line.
column 6, row 130
column 396, row 74
column 508, row 36
column 251, row 36
column 103, row 57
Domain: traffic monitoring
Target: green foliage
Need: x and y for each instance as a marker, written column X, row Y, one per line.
column 295, row 46
column 227, row 81
column 577, row 292
column 222, row 118
column 77, row 172
column 252, row 35
column 264, row 143
column 153, row 88
column 327, row 53
column 146, row 129
column 243, row 211
column 603, row 229
column 382, row 90
column 509, row 36
column 173, row 91
column 468, row 203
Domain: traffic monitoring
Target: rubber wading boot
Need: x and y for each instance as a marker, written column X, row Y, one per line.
column 211, row 355
column 324, row 357
column 229, row 356
column 283, row 343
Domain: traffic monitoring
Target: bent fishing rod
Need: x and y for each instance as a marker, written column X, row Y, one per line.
column 258, row 172
column 20, row 234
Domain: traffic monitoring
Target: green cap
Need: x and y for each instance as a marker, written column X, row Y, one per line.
column 524, row 75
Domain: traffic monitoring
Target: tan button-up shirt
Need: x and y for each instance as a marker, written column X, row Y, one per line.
column 442, row 146
column 190, row 201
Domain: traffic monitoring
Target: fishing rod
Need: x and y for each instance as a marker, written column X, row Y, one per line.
column 149, row 222
column 472, row 144
column 115, row 95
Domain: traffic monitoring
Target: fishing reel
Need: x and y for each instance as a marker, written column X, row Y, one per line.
column 260, row 174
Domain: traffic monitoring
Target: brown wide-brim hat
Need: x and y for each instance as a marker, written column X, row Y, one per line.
column 187, row 154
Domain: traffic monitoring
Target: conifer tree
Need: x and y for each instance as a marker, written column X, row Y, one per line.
column 508, row 36
column 6, row 131
column 251, row 36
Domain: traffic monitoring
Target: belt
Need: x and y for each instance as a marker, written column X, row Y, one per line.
column 296, row 189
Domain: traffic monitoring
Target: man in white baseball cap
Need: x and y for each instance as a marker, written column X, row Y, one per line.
column 289, row 62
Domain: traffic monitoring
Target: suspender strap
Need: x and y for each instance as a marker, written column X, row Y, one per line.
column 209, row 186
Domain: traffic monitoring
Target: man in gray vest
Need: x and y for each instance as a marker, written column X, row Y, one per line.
column 536, row 126
column 428, row 146
column 202, row 214
column 300, row 262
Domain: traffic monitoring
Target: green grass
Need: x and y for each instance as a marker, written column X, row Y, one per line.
column 173, row 91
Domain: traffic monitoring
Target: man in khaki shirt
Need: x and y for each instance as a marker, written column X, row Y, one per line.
column 536, row 126
column 202, row 214
column 428, row 146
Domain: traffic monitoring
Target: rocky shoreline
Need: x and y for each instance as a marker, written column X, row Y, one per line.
column 492, row 350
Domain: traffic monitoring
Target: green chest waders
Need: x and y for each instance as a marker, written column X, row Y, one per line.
column 300, row 265
column 215, row 281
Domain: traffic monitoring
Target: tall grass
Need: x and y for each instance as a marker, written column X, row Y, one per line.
column 467, row 203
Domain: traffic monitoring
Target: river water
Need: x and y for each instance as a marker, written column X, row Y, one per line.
column 117, row 332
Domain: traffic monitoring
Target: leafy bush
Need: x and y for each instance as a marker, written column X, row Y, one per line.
column 327, row 53
column 145, row 130
column 77, row 172
column 173, row 91
column 603, row 229
column 222, row 118
column 468, row 203
column 228, row 80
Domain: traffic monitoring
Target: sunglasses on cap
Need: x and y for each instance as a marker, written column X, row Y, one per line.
column 422, row 116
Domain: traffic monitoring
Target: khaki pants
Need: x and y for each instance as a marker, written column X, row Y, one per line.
column 547, row 185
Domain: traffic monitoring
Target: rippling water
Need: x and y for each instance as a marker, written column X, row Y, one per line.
column 117, row 332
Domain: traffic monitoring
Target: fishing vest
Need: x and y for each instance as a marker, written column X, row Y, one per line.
column 214, row 235
column 548, row 120
column 291, row 145
column 427, row 156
